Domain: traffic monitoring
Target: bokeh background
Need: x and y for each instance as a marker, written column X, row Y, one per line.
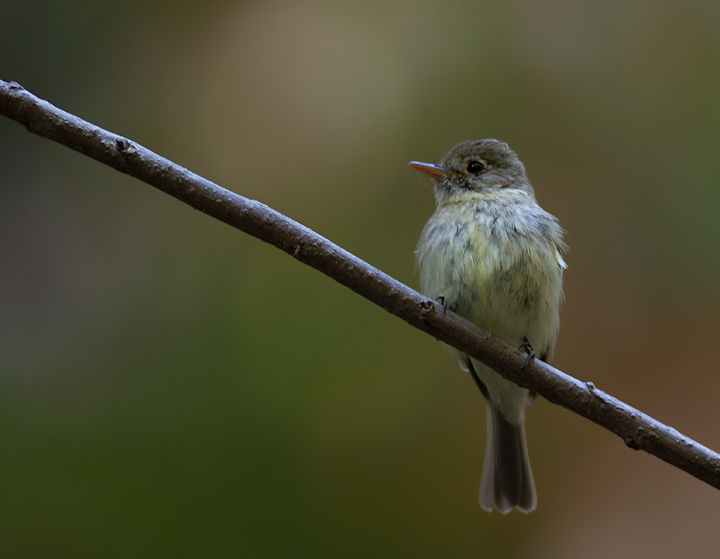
column 170, row 387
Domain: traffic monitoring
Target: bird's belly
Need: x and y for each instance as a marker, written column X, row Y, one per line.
column 510, row 289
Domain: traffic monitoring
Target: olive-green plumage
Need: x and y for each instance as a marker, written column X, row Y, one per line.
column 494, row 255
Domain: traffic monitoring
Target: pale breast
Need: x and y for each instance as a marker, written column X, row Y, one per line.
column 500, row 267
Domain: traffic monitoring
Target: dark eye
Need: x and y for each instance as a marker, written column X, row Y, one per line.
column 475, row 168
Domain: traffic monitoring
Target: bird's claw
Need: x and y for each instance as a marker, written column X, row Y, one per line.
column 530, row 357
column 443, row 304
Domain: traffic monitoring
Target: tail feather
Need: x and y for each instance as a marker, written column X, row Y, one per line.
column 507, row 480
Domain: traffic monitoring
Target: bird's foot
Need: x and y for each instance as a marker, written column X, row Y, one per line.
column 527, row 348
column 443, row 304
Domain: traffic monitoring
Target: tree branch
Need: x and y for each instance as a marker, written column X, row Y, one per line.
column 638, row 430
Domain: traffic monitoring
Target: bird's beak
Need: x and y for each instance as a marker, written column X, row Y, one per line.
column 434, row 171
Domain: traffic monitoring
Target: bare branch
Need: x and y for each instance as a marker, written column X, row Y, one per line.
column 638, row 430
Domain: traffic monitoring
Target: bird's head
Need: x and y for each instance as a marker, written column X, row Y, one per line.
column 476, row 169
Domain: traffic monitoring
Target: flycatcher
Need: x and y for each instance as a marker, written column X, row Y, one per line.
column 494, row 256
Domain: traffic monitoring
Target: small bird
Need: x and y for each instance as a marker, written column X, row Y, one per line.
column 494, row 256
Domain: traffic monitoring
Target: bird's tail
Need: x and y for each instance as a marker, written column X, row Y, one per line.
column 507, row 480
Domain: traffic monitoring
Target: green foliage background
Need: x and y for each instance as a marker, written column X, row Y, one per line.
column 172, row 388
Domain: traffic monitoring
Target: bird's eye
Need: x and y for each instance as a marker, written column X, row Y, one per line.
column 475, row 168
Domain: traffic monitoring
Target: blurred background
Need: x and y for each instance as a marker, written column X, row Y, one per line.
column 170, row 387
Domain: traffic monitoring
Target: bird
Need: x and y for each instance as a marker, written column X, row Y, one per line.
column 491, row 254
